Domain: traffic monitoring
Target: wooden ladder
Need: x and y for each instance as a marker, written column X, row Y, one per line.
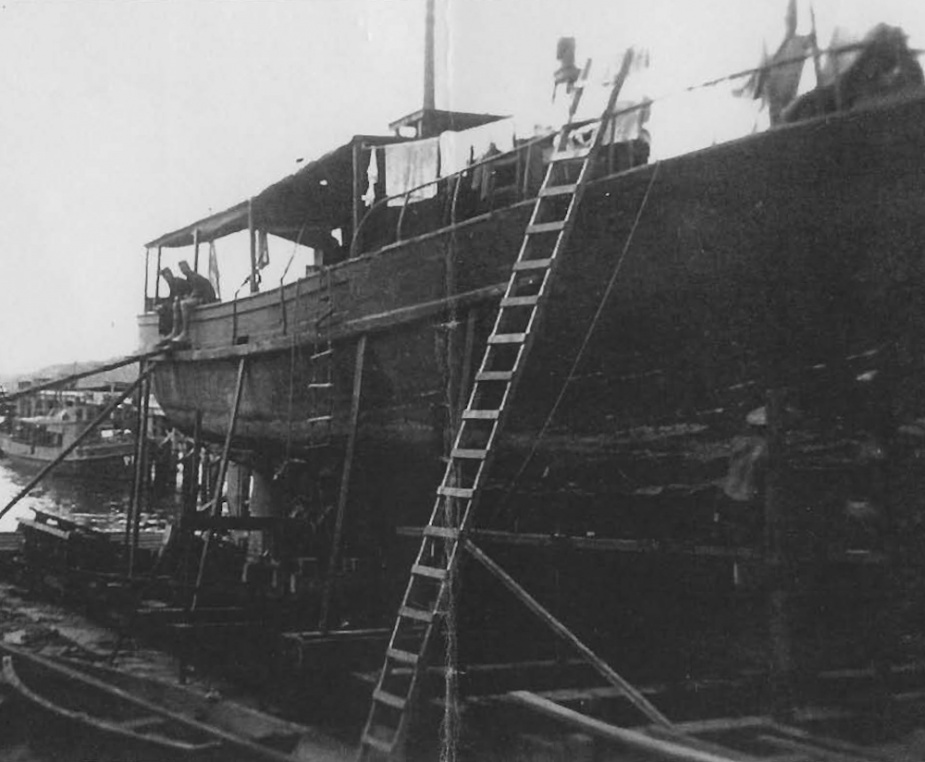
column 321, row 371
column 545, row 239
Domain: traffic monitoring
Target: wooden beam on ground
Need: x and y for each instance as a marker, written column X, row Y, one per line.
column 633, row 739
column 91, row 427
column 609, row 674
column 242, row 523
column 601, row 543
column 834, row 744
column 336, row 541
column 222, row 469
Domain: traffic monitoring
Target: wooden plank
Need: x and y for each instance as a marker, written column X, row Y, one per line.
column 223, row 468
column 812, row 751
column 633, row 739
column 673, row 734
column 54, row 383
column 835, row 744
column 777, row 524
column 243, row 523
column 632, row 694
column 139, row 491
column 599, row 543
column 344, row 485
column 339, row 635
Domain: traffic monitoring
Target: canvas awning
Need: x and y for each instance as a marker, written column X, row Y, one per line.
column 318, row 196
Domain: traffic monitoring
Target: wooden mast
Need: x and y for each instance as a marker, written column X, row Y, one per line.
column 429, row 98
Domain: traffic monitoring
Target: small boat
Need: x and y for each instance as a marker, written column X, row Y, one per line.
column 145, row 712
column 35, row 441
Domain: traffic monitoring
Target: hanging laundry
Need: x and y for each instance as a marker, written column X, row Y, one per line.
column 409, row 166
column 214, row 278
column 263, row 250
column 459, row 149
column 372, row 177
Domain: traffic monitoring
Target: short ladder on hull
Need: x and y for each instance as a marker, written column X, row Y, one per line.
column 545, row 238
column 321, row 372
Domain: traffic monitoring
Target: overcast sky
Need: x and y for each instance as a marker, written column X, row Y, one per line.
column 125, row 119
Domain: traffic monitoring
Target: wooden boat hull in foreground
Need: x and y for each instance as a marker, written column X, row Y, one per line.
column 146, row 713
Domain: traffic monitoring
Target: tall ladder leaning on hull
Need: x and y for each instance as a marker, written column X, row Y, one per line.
column 544, row 241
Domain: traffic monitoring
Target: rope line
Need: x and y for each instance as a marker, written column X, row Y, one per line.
column 585, row 341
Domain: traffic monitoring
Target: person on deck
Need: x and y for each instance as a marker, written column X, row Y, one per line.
column 200, row 292
column 177, row 289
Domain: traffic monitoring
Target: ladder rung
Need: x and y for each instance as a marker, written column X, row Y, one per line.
column 321, row 386
column 405, row 657
column 463, row 492
column 469, row 453
column 558, row 190
column 532, row 264
column 396, row 702
column 519, row 301
column 378, row 744
column 419, row 614
column 319, row 355
column 546, row 227
column 495, row 375
column 449, row 533
column 321, row 419
column 480, row 415
column 140, row 723
column 507, row 338
column 429, row 571
column 570, row 154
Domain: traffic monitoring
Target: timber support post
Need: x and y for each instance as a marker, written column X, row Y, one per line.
column 139, row 481
column 223, row 467
column 191, row 469
column 337, row 540
column 779, row 568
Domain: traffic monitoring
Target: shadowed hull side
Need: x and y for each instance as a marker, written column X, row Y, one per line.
column 785, row 259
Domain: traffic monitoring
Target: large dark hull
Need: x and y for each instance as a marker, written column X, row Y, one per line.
column 786, row 259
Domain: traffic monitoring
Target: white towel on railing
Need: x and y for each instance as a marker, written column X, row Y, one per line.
column 408, row 165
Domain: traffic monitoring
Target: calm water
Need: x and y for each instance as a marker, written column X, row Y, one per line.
column 100, row 503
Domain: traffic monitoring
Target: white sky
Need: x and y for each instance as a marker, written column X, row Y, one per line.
column 125, row 119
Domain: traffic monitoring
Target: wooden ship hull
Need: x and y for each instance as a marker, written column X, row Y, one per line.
column 691, row 286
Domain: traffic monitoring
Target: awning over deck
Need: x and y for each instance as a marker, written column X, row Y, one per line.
column 319, row 195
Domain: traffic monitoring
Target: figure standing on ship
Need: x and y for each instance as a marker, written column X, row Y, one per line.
column 199, row 291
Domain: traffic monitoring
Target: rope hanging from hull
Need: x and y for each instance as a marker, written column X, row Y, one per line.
column 605, row 297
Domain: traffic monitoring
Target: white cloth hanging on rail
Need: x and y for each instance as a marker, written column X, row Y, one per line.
column 408, row 166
